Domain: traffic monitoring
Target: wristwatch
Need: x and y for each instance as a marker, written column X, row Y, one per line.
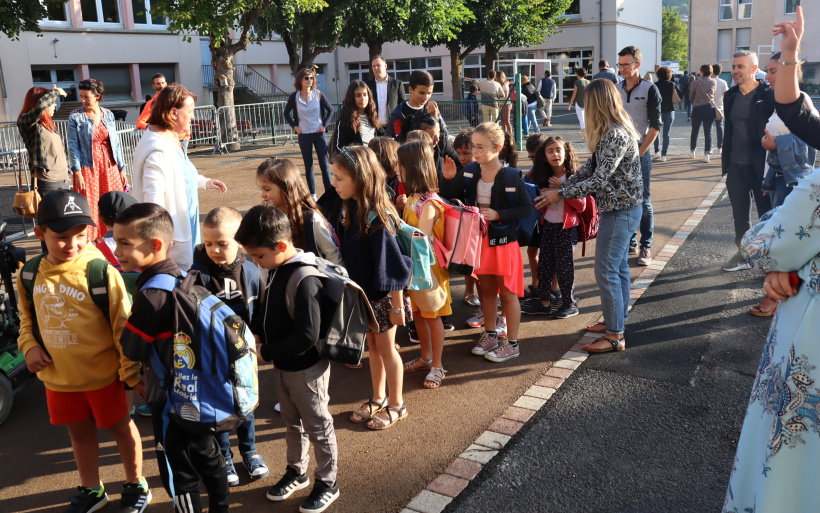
column 784, row 63
column 398, row 310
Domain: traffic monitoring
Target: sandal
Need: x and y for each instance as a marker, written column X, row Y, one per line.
column 365, row 415
column 598, row 327
column 435, row 376
column 413, row 365
column 357, row 366
column 472, row 300
column 758, row 310
column 400, row 414
column 617, row 345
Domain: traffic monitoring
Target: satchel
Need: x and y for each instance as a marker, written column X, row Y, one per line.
column 540, row 102
column 718, row 111
column 430, row 300
column 675, row 98
column 26, row 202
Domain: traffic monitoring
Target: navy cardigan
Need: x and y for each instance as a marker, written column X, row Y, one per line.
column 292, row 113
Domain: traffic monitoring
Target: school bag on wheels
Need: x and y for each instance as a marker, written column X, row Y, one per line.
column 346, row 331
column 213, row 385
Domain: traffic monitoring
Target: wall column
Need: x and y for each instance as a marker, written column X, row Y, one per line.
column 136, row 85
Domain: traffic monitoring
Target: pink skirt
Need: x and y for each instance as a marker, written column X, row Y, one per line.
column 503, row 261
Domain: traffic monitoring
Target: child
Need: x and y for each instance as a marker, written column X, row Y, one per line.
column 442, row 147
column 471, row 105
column 385, row 150
column 376, row 263
column 532, row 144
column 502, row 269
column 418, row 173
column 144, row 233
column 74, row 349
column 302, row 375
column 463, row 145
column 283, row 188
column 555, row 160
column 225, row 272
column 401, row 119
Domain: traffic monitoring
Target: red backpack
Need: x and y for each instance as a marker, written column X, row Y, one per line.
column 464, row 228
column 590, row 221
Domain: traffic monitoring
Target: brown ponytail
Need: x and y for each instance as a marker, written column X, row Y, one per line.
column 509, row 153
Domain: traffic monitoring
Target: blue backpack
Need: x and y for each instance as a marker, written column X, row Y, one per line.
column 213, row 384
column 415, row 244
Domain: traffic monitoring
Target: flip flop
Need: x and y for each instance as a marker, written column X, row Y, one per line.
column 617, row 345
column 758, row 311
column 598, row 327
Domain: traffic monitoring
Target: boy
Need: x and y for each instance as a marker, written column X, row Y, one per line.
column 74, row 349
column 302, row 375
column 227, row 276
column 144, row 233
column 421, row 89
column 471, row 105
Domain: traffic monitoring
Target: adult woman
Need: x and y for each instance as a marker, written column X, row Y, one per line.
column 667, row 87
column 308, row 112
column 501, row 78
column 531, row 95
column 578, row 96
column 613, row 174
column 94, row 152
column 359, row 121
column 779, row 446
column 702, row 94
column 164, row 175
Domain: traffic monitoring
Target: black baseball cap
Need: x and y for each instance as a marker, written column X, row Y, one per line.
column 64, row 209
column 114, row 202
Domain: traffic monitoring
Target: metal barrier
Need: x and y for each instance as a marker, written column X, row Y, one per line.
column 205, row 127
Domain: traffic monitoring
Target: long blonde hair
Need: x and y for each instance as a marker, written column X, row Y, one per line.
column 603, row 108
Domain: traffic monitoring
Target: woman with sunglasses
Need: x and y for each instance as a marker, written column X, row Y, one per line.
column 309, row 112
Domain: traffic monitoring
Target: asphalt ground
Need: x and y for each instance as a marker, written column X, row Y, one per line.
column 378, row 471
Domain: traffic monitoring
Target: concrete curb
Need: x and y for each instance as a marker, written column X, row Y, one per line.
column 455, row 478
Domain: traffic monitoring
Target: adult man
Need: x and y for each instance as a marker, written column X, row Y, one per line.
column 548, row 92
column 642, row 101
column 748, row 106
column 490, row 90
column 605, row 72
column 158, row 83
column 388, row 91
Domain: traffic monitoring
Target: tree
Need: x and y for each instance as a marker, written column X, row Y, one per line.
column 675, row 38
column 24, row 15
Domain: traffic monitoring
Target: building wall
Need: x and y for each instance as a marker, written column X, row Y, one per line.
column 810, row 46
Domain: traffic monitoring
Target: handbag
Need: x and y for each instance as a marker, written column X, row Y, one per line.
column 26, row 202
column 718, row 112
column 430, row 300
column 540, row 102
column 675, row 98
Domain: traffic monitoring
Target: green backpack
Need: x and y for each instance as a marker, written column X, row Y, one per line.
column 415, row 244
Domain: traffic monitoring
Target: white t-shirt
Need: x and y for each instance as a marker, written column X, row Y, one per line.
column 721, row 88
column 484, row 194
column 555, row 212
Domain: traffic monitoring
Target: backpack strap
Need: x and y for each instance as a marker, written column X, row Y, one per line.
column 97, row 274
column 307, row 228
column 27, row 276
column 108, row 254
column 250, row 274
column 468, row 174
column 162, row 282
column 510, row 185
column 204, row 272
column 293, row 284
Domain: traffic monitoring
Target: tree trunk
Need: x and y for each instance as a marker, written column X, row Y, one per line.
column 456, row 69
column 490, row 57
column 224, row 81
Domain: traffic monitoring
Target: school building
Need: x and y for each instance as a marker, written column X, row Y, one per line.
column 119, row 43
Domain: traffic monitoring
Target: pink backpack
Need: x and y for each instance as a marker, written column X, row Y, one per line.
column 464, row 227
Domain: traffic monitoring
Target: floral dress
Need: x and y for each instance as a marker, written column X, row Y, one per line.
column 779, row 445
column 103, row 177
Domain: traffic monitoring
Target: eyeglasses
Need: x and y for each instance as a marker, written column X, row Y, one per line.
column 477, row 148
column 531, row 156
column 627, row 64
column 308, row 78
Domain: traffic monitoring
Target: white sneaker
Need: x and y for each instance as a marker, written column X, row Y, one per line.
column 501, row 326
column 691, row 154
column 706, row 157
column 656, row 156
column 716, row 151
column 663, row 159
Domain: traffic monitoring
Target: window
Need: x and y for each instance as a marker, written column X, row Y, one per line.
column 808, row 74
column 401, row 69
column 744, row 9
column 725, row 10
column 149, row 70
column 791, row 6
column 116, row 79
column 473, row 67
column 357, row 71
column 743, row 39
column 574, row 8
column 63, row 77
column 724, row 45
column 100, row 11
column 143, row 16
column 56, row 14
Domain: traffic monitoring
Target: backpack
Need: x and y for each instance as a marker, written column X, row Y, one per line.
column 310, row 237
column 344, row 338
column 415, row 244
column 213, row 384
column 590, row 221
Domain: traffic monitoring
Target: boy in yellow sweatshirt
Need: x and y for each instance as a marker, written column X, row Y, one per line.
column 74, row 349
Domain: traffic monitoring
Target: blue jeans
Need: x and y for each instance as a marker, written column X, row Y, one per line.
column 246, row 433
column 306, row 144
column 719, row 132
column 612, row 265
column 780, row 191
column 531, row 119
column 668, row 118
column 648, row 217
column 704, row 114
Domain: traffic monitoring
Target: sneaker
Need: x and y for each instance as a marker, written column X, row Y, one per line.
column 706, row 157
column 320, row 498
column 486, row 343
column 536, row 307
column 412, row 333
column 144, row 411
column 448, row 327
column 135, row 497
column 716, row 152
column 277, row 407
column 565, row 311
column 692, row 154
column 736, row 263
column 555, row 300
column 255, row 465
column 289, row 483
column 663, row 158
column 633, row 249
column 505, row 351
column 88, row 500
column 656, row 156
column 501, row 326
column 477, row 320
column 233, row 477
column 646, row 257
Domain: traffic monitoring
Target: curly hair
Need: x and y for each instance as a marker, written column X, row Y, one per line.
column 541, row 168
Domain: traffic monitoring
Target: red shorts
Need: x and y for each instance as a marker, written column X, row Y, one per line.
column 107, row 405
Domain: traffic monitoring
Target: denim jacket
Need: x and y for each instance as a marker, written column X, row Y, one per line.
column 80, row 139
column 793, row 159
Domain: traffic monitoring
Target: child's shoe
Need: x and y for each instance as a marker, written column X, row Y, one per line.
column 88, row 500
column 505, row 351
column 447, row 326
column 289, row 483
column 144, row 411
column 320, row 498
column 233, row 477
column 255, row 465
column 477, row 320
column 135, row 497
column 501, row 326
column 536, row 307
column 487, row 342
column 412, row 334
column 566, row 311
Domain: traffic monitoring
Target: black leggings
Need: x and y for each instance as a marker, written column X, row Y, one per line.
column 555, row 256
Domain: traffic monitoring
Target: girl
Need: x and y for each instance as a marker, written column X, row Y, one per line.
column 418, row 172
column 502, row 268
column 359, row 122
column 555, row 161
column 367, row 231
column 282, row 187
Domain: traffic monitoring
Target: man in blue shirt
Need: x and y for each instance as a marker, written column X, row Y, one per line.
column 605, row 72
column 548, row 92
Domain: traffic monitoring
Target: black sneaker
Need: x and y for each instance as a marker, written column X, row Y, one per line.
column 412, row 333
column 633, row 249
column 565, row 311
column 320, row 498
column 135, row 497
column 87, row 500
column 535, row 307
column 289, row 483
column 736, row 263
column 555, row 300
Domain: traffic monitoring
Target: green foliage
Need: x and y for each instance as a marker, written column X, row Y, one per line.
column 22, row 15
column 675, row 38
column 681, row 6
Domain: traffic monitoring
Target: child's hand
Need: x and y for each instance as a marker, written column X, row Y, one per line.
column 489, row 214
column 448, row 168
column 401, row 202
column 139, row 388
column 218, row 185
column 554, row 182
column 432, row 108
column 397, row 318
column 37, row 359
